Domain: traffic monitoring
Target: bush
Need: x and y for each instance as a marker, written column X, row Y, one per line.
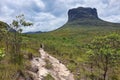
column 2, row 53
column 48, row 77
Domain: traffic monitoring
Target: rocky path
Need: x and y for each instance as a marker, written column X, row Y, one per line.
column 56, row 69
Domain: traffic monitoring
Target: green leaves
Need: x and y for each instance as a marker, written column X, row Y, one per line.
column 106, row 44
column 15, row 41
column 15, row 23
column 20, row 22
column 2, row 53
column 106, row 51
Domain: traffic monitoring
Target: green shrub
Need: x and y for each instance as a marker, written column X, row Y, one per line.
column 48, row 77
column 2, row 53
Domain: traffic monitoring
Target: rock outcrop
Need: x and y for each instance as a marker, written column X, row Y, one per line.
column 82, row 13
column 48, row 65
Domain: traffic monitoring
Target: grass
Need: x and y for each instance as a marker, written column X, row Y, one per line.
column 48, row 77
column 66, row 44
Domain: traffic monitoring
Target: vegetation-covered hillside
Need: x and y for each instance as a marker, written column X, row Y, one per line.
column 12, row 61
column 69, row 43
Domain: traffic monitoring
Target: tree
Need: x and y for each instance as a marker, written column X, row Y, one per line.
column 105, row 51
column 3, row 39
column 16, row 38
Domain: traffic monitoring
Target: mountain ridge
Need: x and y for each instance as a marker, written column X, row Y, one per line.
column 81, row 16
column 87, row 16
column 82, row 13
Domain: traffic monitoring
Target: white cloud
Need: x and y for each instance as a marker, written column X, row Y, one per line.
column 46, row 22
column 39, row 3
column 108, row 10
column 50, row 14
column 113, row 18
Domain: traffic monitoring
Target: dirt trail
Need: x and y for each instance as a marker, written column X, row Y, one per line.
column 57, row 70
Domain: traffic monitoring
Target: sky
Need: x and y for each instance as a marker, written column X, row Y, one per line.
column 48, row 15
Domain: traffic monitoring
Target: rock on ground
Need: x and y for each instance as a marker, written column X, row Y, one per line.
column 55, row 68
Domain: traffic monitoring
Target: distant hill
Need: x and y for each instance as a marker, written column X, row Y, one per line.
column 6, row 26
column 3, row 25
column 87, row 16
column 33, row 32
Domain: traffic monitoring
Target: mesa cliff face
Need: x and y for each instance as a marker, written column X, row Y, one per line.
column 88, row 17
column 82, row 13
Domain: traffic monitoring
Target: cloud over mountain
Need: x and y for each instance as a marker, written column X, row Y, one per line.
column 50, row 14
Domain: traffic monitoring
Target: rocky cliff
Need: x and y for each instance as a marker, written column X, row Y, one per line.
column 82, row 13
column 88, row 17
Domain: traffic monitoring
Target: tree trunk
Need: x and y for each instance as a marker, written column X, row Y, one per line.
column 92, row 75
column 105, row 74
column 105, row 68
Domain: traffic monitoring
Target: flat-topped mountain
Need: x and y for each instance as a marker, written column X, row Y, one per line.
column 82, row 13
column 87, row 16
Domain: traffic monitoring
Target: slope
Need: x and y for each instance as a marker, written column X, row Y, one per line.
column 67, row 43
